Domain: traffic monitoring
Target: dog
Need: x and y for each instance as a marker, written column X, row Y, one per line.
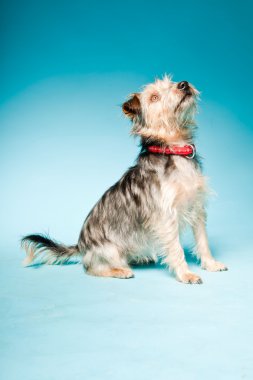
column 139, row 218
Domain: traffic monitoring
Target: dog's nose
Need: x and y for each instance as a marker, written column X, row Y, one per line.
column 184, row 85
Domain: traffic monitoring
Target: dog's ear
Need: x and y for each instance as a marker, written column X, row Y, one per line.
column 132, row 107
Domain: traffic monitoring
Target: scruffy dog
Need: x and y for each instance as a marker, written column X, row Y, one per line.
column 153, row 200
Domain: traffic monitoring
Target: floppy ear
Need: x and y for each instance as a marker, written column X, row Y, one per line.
column 132, row 107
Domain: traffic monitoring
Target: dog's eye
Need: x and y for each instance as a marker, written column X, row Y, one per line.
column 154, row 98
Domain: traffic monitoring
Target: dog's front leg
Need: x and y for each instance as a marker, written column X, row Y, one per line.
column 202, row 248
column 167, row 232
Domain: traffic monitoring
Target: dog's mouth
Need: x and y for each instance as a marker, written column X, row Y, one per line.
column 186, row 91
column 186, row 95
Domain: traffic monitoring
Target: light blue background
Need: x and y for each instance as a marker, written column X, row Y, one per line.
column 65, row 69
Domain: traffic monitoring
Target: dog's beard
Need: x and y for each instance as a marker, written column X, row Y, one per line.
column 185, row 97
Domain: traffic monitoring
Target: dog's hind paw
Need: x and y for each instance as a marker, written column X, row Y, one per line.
column 112, row 272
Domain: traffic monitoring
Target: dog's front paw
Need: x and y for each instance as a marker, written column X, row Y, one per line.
column 213, row 266
column 190, row 278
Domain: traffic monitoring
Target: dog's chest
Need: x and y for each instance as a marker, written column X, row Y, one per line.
column 183, row 185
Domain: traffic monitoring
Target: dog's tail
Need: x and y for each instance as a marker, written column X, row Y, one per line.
column 49, row 251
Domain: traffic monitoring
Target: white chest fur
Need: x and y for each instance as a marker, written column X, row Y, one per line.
column 183, row 187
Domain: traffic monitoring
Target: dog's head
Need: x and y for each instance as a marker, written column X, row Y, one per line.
column 164, row 110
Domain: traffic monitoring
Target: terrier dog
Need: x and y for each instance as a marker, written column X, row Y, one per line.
column 152, row 201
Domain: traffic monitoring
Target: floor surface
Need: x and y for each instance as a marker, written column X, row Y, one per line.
column 59, row 323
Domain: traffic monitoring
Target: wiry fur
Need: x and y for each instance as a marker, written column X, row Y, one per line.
column 152, row 201
column 47, row 249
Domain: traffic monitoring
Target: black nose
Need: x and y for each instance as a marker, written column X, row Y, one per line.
column 184, row 85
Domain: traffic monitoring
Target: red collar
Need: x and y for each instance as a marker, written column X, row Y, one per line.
column 188, row 151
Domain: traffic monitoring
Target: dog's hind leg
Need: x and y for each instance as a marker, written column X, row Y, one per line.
column 106, row 261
